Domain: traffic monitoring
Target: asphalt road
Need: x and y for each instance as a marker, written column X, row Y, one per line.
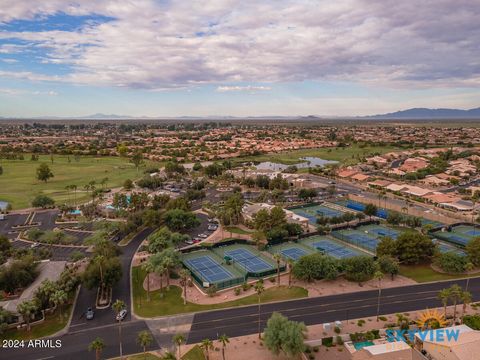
column 74, row 346
column 86, row 298
column 244, row 320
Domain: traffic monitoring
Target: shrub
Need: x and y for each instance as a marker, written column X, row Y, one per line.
column 237, row 291
column 382, row 318
column 339, row 340
column 337, row 330
column 328, row 341
column 361, row 322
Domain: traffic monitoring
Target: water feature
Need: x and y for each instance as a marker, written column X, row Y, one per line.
column 308, row 161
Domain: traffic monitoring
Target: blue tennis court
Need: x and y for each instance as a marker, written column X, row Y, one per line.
column 336, row 250
column 445, row 247
column 293, row 253
column 248, row 261
column 313, row 211
column 356, row 237
column 381, row 231
column 208, row 269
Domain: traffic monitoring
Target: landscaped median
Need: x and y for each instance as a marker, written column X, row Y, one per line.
column 170, row 302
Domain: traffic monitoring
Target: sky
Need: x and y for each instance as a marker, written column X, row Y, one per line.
column 239, row 58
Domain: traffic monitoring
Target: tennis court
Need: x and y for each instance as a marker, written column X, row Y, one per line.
column 357, row 237
column 459, row 235
column 290, row 250
column 311, row 212
column 208, row 270
column 331, row 247
column 381, row 231
column 357, row 206
column 248, row 259
column 446, row 247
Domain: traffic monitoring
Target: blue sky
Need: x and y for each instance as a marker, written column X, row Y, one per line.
column 249, row 58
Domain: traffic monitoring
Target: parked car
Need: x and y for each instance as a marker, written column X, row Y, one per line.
column 121, row 315
column 89, row 314
column 189, row 242
column 212, row 227
column 202, row 235
column 34, row 245
column 196, row 240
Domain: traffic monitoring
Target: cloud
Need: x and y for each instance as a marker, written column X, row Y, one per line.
column 162, row 45
column 16, row 92
column 249, row 88
column 9, row 61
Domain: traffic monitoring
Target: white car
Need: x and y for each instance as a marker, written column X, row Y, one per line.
column 203, row 236
column 121, row 315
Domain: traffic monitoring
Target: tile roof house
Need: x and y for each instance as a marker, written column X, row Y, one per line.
column 360, row 177
column 346, row 173
column 464, row 346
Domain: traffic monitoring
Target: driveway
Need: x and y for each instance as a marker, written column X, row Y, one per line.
column 86, row 298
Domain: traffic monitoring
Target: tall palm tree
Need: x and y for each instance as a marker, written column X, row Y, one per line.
column 290, row 268
column 455, row 295
column 184, row 275
column 379, row 276
column 278, row 258
column 207, row 345
column 466, row 299
column 144, row 339
column 148, row 267
column 179, row 340
column 27, row 309
column 224, row 340
column 59, row 298
column 98, row 345
column 118, row 306
column 444, row 296
column 259, row 289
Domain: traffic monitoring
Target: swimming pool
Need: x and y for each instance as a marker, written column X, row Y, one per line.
column 362, row 344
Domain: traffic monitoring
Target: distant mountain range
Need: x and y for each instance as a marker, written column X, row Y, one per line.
column 409, row 114
column 425, row 113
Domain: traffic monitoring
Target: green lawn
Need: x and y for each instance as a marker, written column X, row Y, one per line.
column 237, row 230
column 141, row 356
column 169, row 302
column 51, row 325
column 195, row 353
column 424, row 273
column 19, row 185
column 347, row 155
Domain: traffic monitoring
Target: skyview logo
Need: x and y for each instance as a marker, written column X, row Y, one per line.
column 437, row 335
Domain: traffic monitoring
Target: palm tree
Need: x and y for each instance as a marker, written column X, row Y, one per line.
column 118, row 306
column 455, row 295
column 160, row 271
column 207, row 345
column 59, row 298
column 444, row 296
column 184, row 275
column 74, row 188
column 277, row 257
column 148, row 267
column 467, row 299
column 379, row 276
column 290, row 268
column 98, row 345
column 224, row 340
column 179, row 340
column 144, row 339
column 27, row 309
column 259, row 289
